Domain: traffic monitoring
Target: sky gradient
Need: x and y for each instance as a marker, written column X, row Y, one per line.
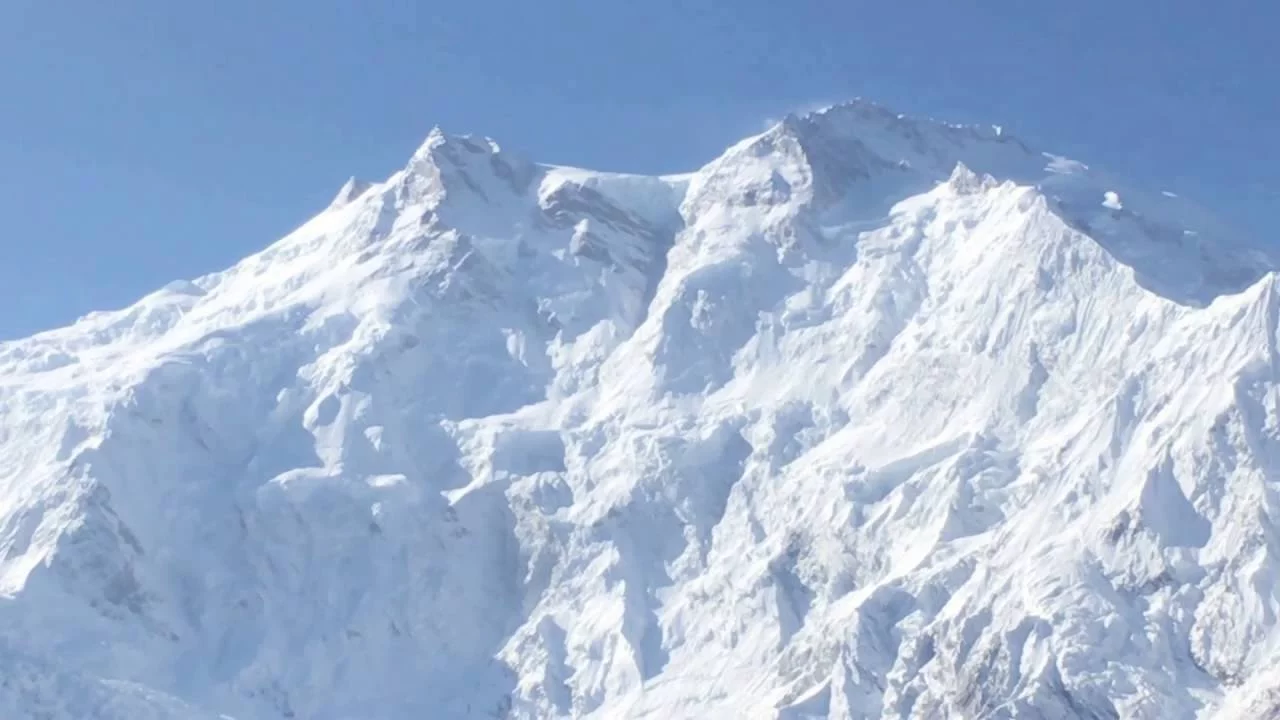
column 147, row 140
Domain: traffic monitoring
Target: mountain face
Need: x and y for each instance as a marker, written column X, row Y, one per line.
column 870, row 417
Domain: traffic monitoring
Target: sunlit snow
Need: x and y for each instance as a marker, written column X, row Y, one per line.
column 871, row 417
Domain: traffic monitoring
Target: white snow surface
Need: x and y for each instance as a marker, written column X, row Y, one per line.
column 871, row 417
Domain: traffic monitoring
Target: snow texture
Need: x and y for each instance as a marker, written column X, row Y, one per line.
column 871, row 417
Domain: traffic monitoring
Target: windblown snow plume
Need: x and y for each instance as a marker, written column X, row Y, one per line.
column 870, row 417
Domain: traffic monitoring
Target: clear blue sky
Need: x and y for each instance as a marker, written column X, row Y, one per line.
column 148, row 140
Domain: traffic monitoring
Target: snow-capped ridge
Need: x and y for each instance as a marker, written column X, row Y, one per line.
column 654, row 198
column 350, row 191
column 474, row 167
column 924, row 144
column 867, row 417
column 963, row 180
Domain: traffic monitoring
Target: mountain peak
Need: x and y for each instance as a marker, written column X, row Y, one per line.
column 964, row 180
column 849, row 420
column 468, row 165
column 438, row 143
column 896, row 134
column 352, row 189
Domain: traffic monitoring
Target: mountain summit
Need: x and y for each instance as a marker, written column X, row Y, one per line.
column 870, row 417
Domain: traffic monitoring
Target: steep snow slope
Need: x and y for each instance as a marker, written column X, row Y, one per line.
column 870, row 417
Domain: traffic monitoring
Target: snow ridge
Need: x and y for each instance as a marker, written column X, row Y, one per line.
column 870, row 417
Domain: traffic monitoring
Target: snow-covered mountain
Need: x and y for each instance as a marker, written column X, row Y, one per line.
column 870, row 417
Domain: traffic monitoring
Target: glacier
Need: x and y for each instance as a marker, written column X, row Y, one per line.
column 870, row 417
